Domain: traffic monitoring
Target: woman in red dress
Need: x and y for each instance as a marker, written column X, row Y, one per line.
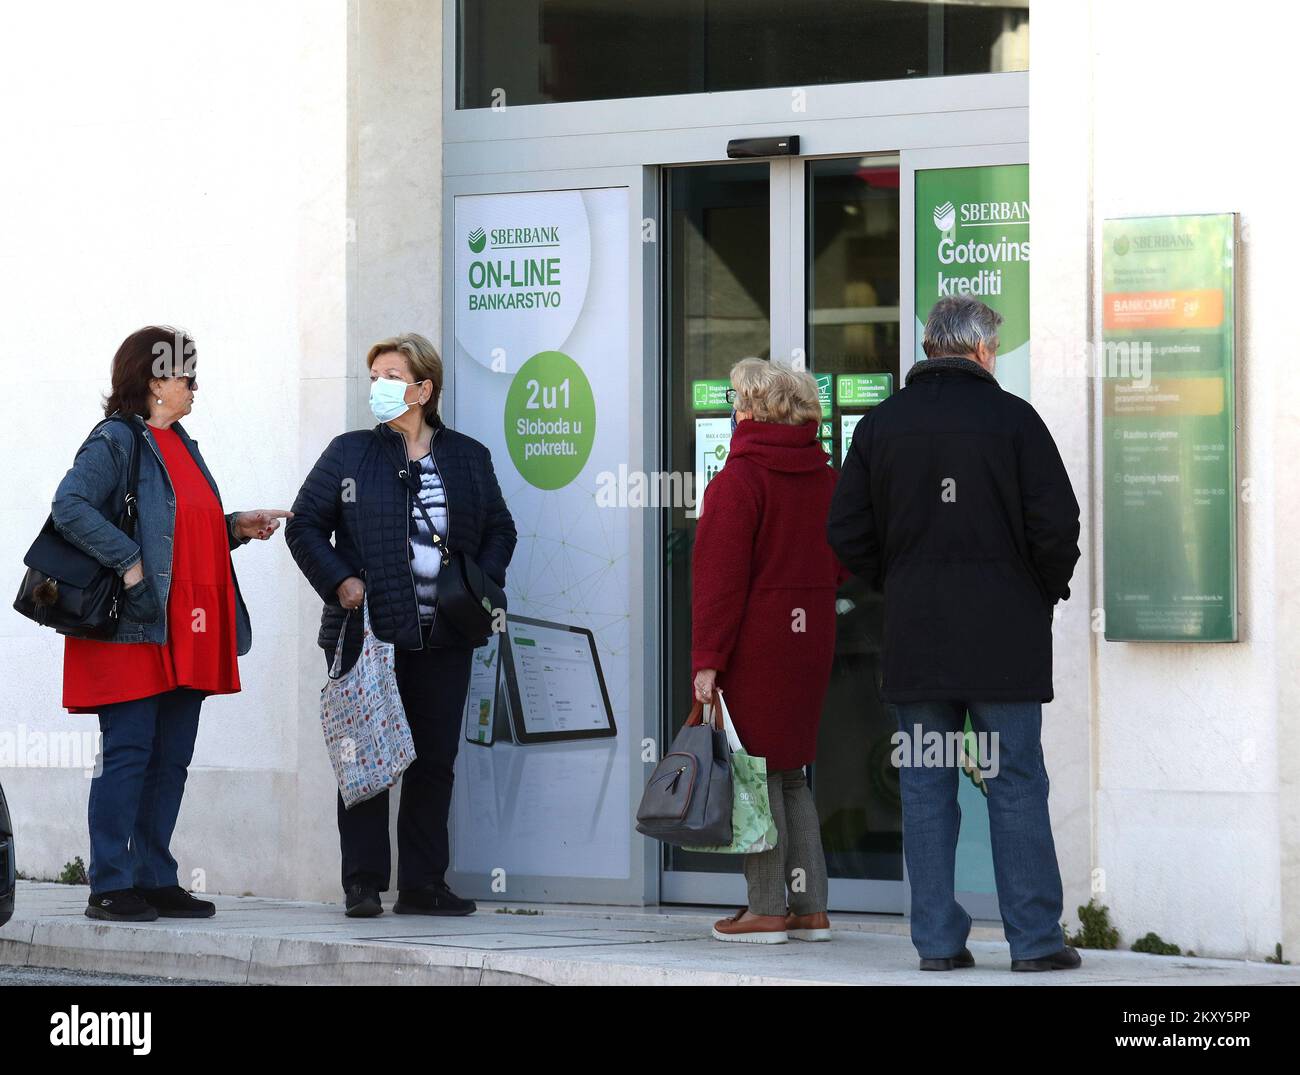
column 182, row 627
column 763, row 628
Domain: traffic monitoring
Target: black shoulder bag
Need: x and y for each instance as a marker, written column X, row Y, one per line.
column 68, row 589
column 465, row 593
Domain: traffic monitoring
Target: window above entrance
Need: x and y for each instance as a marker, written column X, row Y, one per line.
column 523, row 52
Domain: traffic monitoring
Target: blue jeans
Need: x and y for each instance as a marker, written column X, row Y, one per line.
column 1024, row 854
column 147, row 744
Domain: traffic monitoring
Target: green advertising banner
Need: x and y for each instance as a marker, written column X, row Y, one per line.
column 1168, row 426
column 972, row 238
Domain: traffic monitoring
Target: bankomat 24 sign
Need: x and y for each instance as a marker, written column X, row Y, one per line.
column 1169, row 502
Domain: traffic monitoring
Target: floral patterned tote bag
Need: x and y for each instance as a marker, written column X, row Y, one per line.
column 361, row 714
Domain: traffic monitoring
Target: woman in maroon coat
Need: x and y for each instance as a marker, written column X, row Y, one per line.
column 763, row 629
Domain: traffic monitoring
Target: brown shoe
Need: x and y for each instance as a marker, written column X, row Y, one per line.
column 808, row 927
column 756, row 929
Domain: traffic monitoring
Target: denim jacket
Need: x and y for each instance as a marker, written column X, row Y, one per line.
column 89, row 500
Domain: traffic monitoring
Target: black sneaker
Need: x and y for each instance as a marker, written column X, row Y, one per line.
column 172, row 901
column 120, row 905
column 1066, row 959
column 362, row 901
column 435, row 899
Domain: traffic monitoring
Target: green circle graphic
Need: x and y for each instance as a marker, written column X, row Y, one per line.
column 550, row 420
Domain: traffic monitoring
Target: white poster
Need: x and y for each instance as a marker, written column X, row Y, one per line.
column 480, row 702
column 848, row 423
column 541, row 377
column 712, row 442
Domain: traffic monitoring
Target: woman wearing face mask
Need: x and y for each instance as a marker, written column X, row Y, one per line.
column 183, row 621
column 363, row 531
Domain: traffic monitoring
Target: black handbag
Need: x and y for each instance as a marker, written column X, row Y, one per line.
column 466, row 595
column 687, row 800
column 66, row 588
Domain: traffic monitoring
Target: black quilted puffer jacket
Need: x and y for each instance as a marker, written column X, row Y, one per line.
column 352, row 517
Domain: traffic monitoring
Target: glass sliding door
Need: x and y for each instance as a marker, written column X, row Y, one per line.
column 789, row 258
column 795, row 258
column 717, row 306
column 851, row 335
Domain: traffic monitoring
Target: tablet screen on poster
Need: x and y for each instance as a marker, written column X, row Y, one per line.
column 554, row 682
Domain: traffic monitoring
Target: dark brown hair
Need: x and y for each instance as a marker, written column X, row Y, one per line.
column 155, row 351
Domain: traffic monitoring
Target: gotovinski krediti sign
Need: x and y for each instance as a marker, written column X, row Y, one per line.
column 972, row 238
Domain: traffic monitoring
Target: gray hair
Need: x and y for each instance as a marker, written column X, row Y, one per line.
column 772, row 392
column 957, row 323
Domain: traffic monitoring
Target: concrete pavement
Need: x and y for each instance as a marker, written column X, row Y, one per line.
column 281, row 942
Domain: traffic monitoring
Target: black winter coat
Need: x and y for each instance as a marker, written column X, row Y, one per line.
column 955, row 502
column 352, row 517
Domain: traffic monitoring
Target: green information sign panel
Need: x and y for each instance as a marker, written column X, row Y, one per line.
column 710, row 395
column 824, row 392
column 1168, row 406
column 863, row 389
column 972, row 238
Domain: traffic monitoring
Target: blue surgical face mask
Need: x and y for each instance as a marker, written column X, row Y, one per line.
column 388, row 399
column 733, row 419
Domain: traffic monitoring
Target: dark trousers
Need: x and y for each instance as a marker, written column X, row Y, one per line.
column 146, row 747
column 433, row 684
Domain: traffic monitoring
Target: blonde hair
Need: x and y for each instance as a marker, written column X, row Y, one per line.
column 775, row 393
column 425, row 363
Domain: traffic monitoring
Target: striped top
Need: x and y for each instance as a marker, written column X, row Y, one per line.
column 426, row 559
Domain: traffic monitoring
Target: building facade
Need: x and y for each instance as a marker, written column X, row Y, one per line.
column 353, row 169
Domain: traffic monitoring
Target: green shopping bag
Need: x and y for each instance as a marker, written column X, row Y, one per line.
column 752, row 826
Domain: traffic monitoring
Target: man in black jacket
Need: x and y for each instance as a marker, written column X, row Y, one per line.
column 954, row 501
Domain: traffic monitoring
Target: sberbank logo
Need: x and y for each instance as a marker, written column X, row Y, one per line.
column 477, row 240
column 945, row 216
column 1122, row 245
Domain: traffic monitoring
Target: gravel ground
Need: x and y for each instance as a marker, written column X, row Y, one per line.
column 46, row 976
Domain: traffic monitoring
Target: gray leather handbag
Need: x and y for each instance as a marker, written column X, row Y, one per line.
column 687, row 800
